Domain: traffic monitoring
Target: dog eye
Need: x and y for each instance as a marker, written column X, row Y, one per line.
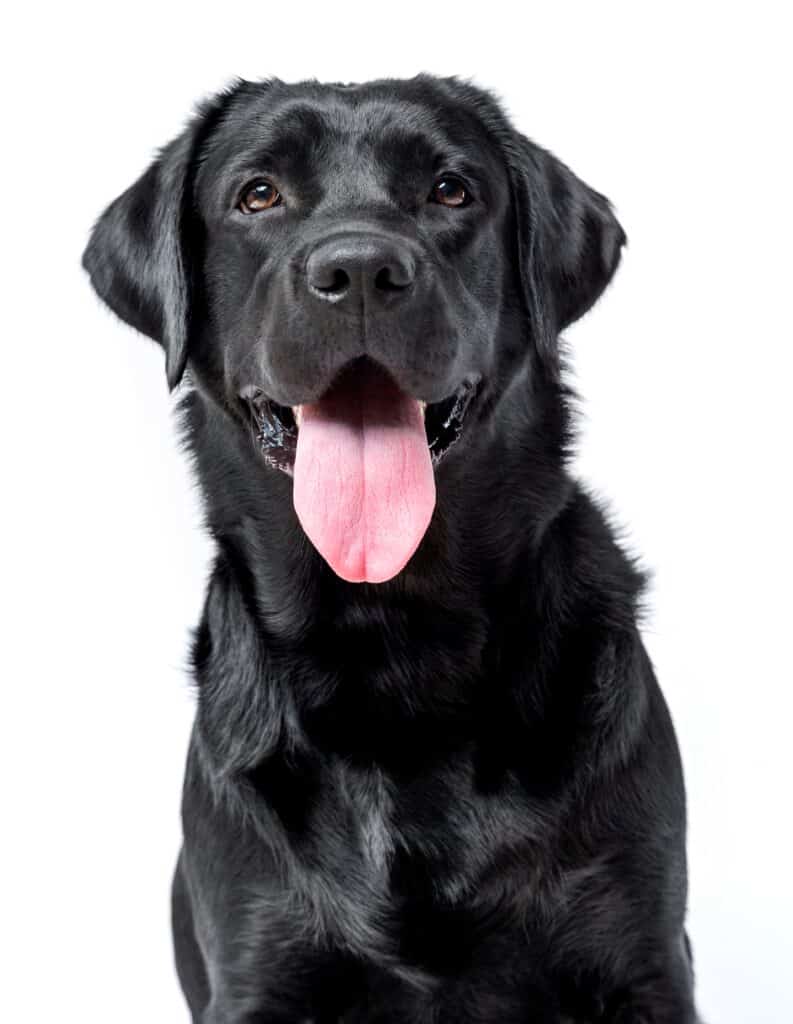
column 259, row 195
column 450, row 191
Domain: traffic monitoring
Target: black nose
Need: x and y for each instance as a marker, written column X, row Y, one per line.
column 360, row 270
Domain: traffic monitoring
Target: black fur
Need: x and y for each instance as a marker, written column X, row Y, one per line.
column 455, row 797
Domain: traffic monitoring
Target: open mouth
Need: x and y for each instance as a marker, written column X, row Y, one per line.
column 277, row 427
column 363, row 458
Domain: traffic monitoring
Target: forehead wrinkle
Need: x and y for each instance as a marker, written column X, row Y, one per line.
column 334, row 130
column 368, row 120
column 295, row 137
column 399, row 122
column 411, row 148
column 376, row 138
column 295, row 123
column 419, row 137
column 354, row 143
column 291, row 136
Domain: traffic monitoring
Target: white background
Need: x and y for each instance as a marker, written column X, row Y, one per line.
column 681, row 115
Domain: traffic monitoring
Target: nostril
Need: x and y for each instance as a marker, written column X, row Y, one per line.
column 332, row 282
column 390, row 279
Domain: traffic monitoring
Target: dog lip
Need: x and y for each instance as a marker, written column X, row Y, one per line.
column 277, row 425
column 254, row 395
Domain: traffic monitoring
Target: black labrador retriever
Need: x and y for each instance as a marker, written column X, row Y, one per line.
column 432, row 777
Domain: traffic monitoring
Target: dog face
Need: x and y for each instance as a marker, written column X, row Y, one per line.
column 352, row 269
column 344, row 224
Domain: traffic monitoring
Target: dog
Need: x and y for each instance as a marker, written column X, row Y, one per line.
column 432, row 777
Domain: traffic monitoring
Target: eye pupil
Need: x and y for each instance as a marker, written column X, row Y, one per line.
column 261, row 195
column 450, row 191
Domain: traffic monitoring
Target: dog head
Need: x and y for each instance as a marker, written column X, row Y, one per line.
column 351, row 270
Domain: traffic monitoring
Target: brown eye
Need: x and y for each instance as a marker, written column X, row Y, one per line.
column 450, row 191
column 258, row 196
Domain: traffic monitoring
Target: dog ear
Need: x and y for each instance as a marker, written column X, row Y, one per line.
column 140, row 254
column 569, row 241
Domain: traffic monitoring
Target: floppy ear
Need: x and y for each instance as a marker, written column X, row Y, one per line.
column 569, row 240
column 140, row 255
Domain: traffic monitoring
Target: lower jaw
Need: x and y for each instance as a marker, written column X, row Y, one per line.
column 277, row 426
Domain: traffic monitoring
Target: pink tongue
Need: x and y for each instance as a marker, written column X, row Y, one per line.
column 364, row 489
